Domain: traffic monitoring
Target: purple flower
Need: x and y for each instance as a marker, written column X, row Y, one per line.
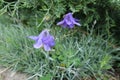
column 69, row 21
column 44, row 39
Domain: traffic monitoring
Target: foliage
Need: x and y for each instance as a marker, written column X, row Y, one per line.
column 88, row 55
column 78, row 53
column 36, row 12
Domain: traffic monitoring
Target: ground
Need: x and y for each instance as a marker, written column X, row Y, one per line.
column 6, row 74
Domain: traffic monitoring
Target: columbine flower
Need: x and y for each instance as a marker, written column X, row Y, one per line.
column 68, row 21
column 44, row 39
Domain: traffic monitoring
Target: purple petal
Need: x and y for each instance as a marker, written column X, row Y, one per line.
column 33, row 37
column 49, row 40
column 69, row 19
column 68, row 14
column 77, row 23
column 71, row 26
column 61, row 22
column 43, row 33
column 47, row 48
column 52, row 41
column 64, row 25
column 46, row 40
column 69, row 22
column 38, row 44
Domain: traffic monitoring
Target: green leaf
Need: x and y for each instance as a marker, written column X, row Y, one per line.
column 105, row 61
column 46, row 77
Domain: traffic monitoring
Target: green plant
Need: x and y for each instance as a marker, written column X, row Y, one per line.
column 78, row 53
column 74, row 57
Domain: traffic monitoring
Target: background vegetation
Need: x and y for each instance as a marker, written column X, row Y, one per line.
column 89, row 51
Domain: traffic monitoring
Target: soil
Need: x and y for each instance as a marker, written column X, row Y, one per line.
column 6, row 74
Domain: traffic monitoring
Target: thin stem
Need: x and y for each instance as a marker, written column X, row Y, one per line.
column 45, row 15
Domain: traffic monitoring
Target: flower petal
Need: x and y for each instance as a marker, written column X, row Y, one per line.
column 61, row 22
column 68, row 19
column 71, row 26
column 33, row 37
column 77, row 23
column 52, row 41
column 47, row 48
column 43, row 33
column 38, row 44
column 49, row 40
column 64, row 25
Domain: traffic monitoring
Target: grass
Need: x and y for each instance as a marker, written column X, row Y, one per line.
column 75, row 55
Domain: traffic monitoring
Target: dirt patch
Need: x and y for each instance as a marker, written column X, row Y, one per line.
column 6, row 74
